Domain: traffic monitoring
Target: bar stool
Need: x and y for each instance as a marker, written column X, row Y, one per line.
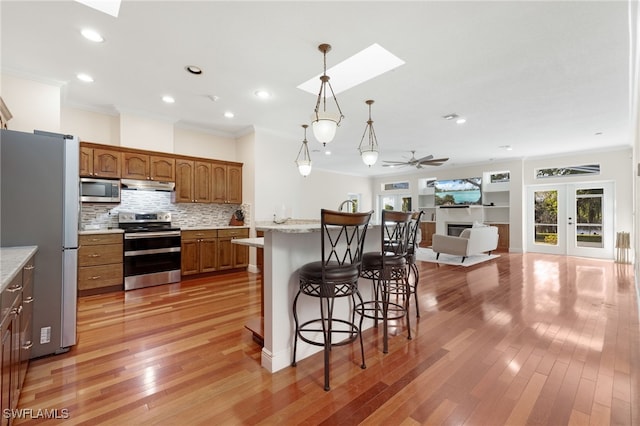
column 335, row 276
column 412, row 251
column 387, row 269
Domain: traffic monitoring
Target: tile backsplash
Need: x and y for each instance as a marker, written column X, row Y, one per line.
column 184, row 215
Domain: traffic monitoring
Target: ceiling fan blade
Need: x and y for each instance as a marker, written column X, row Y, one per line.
column 420, row 160
column 435, row 160
column 396, row 162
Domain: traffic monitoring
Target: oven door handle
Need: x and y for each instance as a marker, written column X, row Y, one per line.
column 151, row 251
column 140, row 235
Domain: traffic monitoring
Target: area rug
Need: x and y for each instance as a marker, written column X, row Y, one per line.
column 427, row 255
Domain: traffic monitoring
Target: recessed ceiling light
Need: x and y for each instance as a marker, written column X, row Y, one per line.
column 85, row 77
column 92, row 35
column 506, row 147
column 461, row 120
column 193, row 69
column 262, row 94
column 168, row 99
column 327, row 152
column 229, row 114
column 369, row 63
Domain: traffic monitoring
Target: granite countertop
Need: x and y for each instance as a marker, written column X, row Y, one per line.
column 101, row 231
column 195, row 228
column 294, row 226
column 12, row 260
column 251, row 242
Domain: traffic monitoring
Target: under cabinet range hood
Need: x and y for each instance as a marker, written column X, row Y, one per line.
column 147, row 185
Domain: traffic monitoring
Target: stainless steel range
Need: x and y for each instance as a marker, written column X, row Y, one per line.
column 151, row 249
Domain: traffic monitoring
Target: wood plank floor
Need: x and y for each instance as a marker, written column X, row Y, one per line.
column 523, row 339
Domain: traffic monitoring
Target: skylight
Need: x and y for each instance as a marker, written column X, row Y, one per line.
column 110, row 7
column 369, row 63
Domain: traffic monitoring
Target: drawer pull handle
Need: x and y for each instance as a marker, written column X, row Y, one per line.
column 96, row 277
column 14, row 289
column 28, row 300
column 94, row 255
column 27, row 345
column 29, row 267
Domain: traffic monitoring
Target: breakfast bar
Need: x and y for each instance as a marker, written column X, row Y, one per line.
column 287, row 247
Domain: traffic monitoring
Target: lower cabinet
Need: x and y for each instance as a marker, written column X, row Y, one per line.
column 503, row 236
column 427, row 229
column 15, row 338
column 198, row 251
column 210, row 250
column 100, row 263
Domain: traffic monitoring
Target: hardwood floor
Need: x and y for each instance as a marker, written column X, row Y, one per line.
column 524, row 339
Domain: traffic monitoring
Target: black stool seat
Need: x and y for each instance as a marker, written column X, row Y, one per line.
column 373, row 261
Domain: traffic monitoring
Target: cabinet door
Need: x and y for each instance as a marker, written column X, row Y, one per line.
column 219, row 183
column 86, row 161
column 503, row 236
column 106, row 163
column 234, row 184
column 135, row 166
column 163, row 168
column 241, row 256
column 208, row 260
column 189, row 257
column 202, row 182
column 225, row 254
column 184, row 181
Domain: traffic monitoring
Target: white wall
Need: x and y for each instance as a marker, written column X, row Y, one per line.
column 34, row 105
column 145, row 133
column 279, row 184
column 91, row 126
column 201, row 144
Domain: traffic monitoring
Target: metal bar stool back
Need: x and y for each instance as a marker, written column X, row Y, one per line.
column 414, row 245
column 334, row 276
column 387, row 269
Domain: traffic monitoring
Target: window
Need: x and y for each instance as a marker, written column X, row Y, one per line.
column 395, row 186
column 499, row 177
column 587, row 169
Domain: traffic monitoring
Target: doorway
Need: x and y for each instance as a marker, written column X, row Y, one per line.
column 571, row 219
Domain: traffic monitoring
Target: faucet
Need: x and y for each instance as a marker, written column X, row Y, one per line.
column 353, row 204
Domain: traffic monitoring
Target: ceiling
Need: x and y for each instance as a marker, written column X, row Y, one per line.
column 540, row 77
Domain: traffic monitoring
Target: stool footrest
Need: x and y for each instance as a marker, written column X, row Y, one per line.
column 353, row 332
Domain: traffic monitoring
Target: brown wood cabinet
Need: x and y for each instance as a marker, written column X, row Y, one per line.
column 100, row 263
column 231, row 255
column 193, row 181
column 503, row 235
column 15, row 337
column 199, row 251
column 227, row 183
column 98, row 162
column 427, row 229
column 137, row 165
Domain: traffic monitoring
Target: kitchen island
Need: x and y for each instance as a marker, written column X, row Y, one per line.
column 286, row 248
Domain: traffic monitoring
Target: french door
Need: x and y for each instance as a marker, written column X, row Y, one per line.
column 571, row 219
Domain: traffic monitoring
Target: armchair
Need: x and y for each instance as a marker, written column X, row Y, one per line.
column 471, row 241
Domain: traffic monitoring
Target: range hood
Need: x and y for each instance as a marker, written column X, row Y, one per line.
column 147, row 185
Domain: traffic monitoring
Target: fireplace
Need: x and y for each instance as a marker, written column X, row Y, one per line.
column 455, row 229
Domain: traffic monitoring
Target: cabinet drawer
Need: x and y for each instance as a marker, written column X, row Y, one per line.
column 90, row 277
column 11, row 294
column 199, row 233
column 233, row 233
column 95, row 239
column 100, row 255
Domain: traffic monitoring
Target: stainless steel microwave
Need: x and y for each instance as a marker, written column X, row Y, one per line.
column 99, row 190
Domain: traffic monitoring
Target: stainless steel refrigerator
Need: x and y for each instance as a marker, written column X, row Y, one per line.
column 39, row 205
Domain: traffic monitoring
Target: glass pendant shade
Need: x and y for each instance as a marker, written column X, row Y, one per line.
column 304, row 159
column 369, row 143
column 324, row 126
column 369, row 157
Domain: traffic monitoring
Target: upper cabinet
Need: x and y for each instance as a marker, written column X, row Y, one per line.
column 193, row 181
column 198, row 180
column 148, row 167
column 227, row 183
column 98, row 162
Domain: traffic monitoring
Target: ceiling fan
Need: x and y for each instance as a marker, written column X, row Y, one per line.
column 417, row 162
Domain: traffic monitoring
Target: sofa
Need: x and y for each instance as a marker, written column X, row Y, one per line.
column 476, row 240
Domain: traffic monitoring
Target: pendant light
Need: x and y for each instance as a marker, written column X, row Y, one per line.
column 369, row 151
column 324, row 123
column 304, row 159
